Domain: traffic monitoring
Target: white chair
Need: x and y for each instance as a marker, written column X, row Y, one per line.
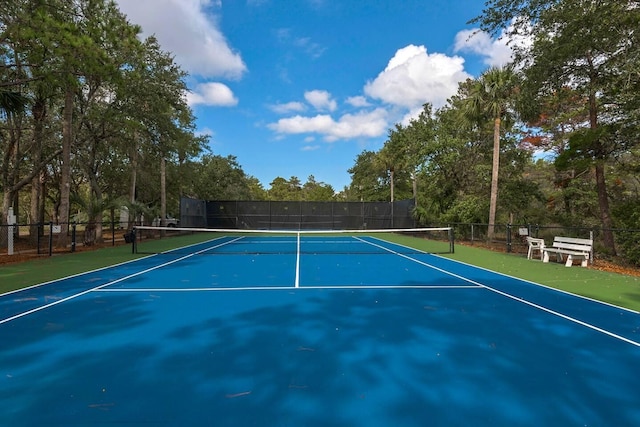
column 535, row 245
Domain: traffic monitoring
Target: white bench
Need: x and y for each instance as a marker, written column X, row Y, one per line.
column 534, row 245
column 572, row 247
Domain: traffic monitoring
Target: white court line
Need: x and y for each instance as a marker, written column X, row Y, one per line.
column 49, row 282
column 285, row 288
column 35, row 310
column 477, row 284
column 297, row 280
column 513, row 297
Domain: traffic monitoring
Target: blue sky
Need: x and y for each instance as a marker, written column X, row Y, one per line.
column 301, row 87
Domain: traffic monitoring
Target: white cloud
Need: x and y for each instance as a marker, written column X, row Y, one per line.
column 496, row 52
column 184, row 29
column 362, row 125
column 205, row 132
column 314, row 50
column 414, row 77
column 212, row 94
column 320, row 100
column 304, row 44
column 300, row 124
column 412, row 114
column 288, row 107
column 310, row 148
column 358, row 101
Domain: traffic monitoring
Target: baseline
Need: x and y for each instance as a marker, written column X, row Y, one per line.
column 282, row 288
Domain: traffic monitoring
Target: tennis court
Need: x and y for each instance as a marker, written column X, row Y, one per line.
column 312, row 330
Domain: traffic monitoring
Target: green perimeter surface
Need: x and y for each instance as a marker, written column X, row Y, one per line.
column 614, row 288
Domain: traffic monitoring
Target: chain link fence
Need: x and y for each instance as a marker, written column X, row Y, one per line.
column 296, row 215
column 45, row 238
column 512, row 238
column 42, row 239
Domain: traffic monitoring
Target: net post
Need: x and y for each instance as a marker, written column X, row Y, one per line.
column 134, row 239
column 451, row 240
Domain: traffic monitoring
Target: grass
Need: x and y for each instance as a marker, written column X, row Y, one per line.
column 619, row 289
column 615, row 288
column 45, row 269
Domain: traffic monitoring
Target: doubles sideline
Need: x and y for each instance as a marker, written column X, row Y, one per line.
column 296, row 285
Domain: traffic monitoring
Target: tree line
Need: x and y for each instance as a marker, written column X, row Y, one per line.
column 92, row 116
column 571, row 94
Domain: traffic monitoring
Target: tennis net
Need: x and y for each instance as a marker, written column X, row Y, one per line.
column 206, row 241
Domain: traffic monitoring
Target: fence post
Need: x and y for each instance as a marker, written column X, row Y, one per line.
column 73, row 237
column 508, row 238
column 50, row 238
column 11, row 221
column 39, row 237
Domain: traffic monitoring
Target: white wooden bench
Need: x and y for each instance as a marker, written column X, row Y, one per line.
column 534, row 245
column 572, row 247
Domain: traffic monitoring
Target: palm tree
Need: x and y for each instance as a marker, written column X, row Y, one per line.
column 12, row 102
column 492, row 96
column 93, row 207
column 387, row 161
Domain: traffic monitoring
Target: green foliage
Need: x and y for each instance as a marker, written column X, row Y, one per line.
column 89, row 207
column 12, row 101
column 287, row 190
column 584, row 146
column 580, row 99
column 124, row 107
column 314, row 191
column 369, row 180
column 467, row 209
column 218, row 178
column 627, row 217
column 591, row 48
column 293, row 190
column 423, row 216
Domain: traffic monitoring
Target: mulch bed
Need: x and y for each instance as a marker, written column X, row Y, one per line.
column 600, row 264
column 25, row 251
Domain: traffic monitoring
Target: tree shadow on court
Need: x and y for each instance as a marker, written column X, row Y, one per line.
column 313, row 358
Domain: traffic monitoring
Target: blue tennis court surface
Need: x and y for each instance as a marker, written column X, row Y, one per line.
column 325, row 336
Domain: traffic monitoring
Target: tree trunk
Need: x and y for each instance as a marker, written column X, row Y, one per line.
column 601, row 185
column 414, row 186
column 34, row 210
column 493, row 202
column 134, row 177
column 65, row 171
column 95, row 198
column 39, row 113
column 10, row 167
column 391, row 174
column 605, row 215
column 163, row 194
